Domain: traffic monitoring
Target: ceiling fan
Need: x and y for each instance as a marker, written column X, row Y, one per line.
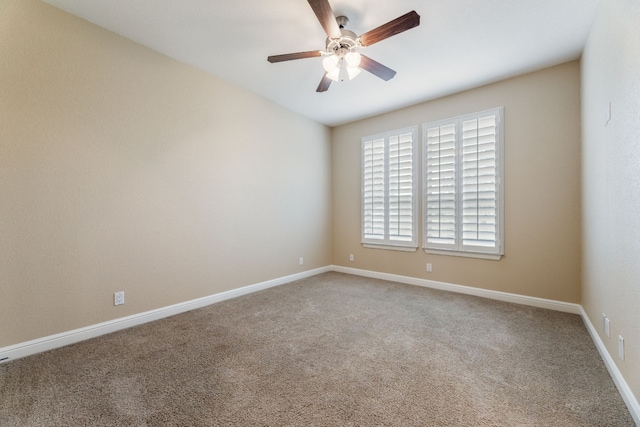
column 341, row 59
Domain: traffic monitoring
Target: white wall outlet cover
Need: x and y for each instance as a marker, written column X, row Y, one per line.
column 301, row 261
column 350, row 257
column 621, row 347
column 607, row 327
column 118, row 298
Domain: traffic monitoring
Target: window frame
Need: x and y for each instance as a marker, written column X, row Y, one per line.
column 386, row 242
column 458, row 248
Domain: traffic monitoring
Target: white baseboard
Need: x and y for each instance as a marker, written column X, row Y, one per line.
column 50, row 342
column 468, row 290
column 626, row 393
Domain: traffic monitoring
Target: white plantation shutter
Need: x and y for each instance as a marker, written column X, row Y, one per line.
column 462, row 184
column 373, row 189
column 479, row 182
column 440, row 184
column 389, row 189
column 401, row 187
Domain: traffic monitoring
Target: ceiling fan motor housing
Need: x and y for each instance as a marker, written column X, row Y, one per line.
column 348, row 41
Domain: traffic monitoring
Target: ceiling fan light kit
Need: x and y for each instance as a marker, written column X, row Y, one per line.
column 341, row 61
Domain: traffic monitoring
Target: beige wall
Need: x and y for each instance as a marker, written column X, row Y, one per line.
column 542, row 188
column 121, row 169
column 611, row 180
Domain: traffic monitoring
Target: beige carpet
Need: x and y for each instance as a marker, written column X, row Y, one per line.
column 331, row 350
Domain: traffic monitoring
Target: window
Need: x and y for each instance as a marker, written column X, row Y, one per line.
column 389, row 207
column 463, row 189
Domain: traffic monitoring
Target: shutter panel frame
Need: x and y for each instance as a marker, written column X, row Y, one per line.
column 398, row 174
column 477, row 228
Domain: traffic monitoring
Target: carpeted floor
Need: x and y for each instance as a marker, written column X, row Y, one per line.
column 331, row 350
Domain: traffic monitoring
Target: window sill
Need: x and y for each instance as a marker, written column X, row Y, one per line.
column 479, row 255
column 391, row 247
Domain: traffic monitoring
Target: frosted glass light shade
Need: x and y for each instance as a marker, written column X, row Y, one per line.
column 334, row 74
column 353, row 72
column 330, row 63
column 353, row 59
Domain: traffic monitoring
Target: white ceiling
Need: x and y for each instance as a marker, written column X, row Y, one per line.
column 460, row 44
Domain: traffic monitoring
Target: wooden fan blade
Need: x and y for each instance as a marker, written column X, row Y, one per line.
column 324, row 84
column 327, row 19
column 391, row 28
column 376, row 68
column 297, row 55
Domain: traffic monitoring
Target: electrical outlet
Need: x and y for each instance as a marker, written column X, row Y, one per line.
column 351, row 257
column 607, row 327
column 429, row 268
column 301, row 261
column 621, row 347
column 118, row 298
